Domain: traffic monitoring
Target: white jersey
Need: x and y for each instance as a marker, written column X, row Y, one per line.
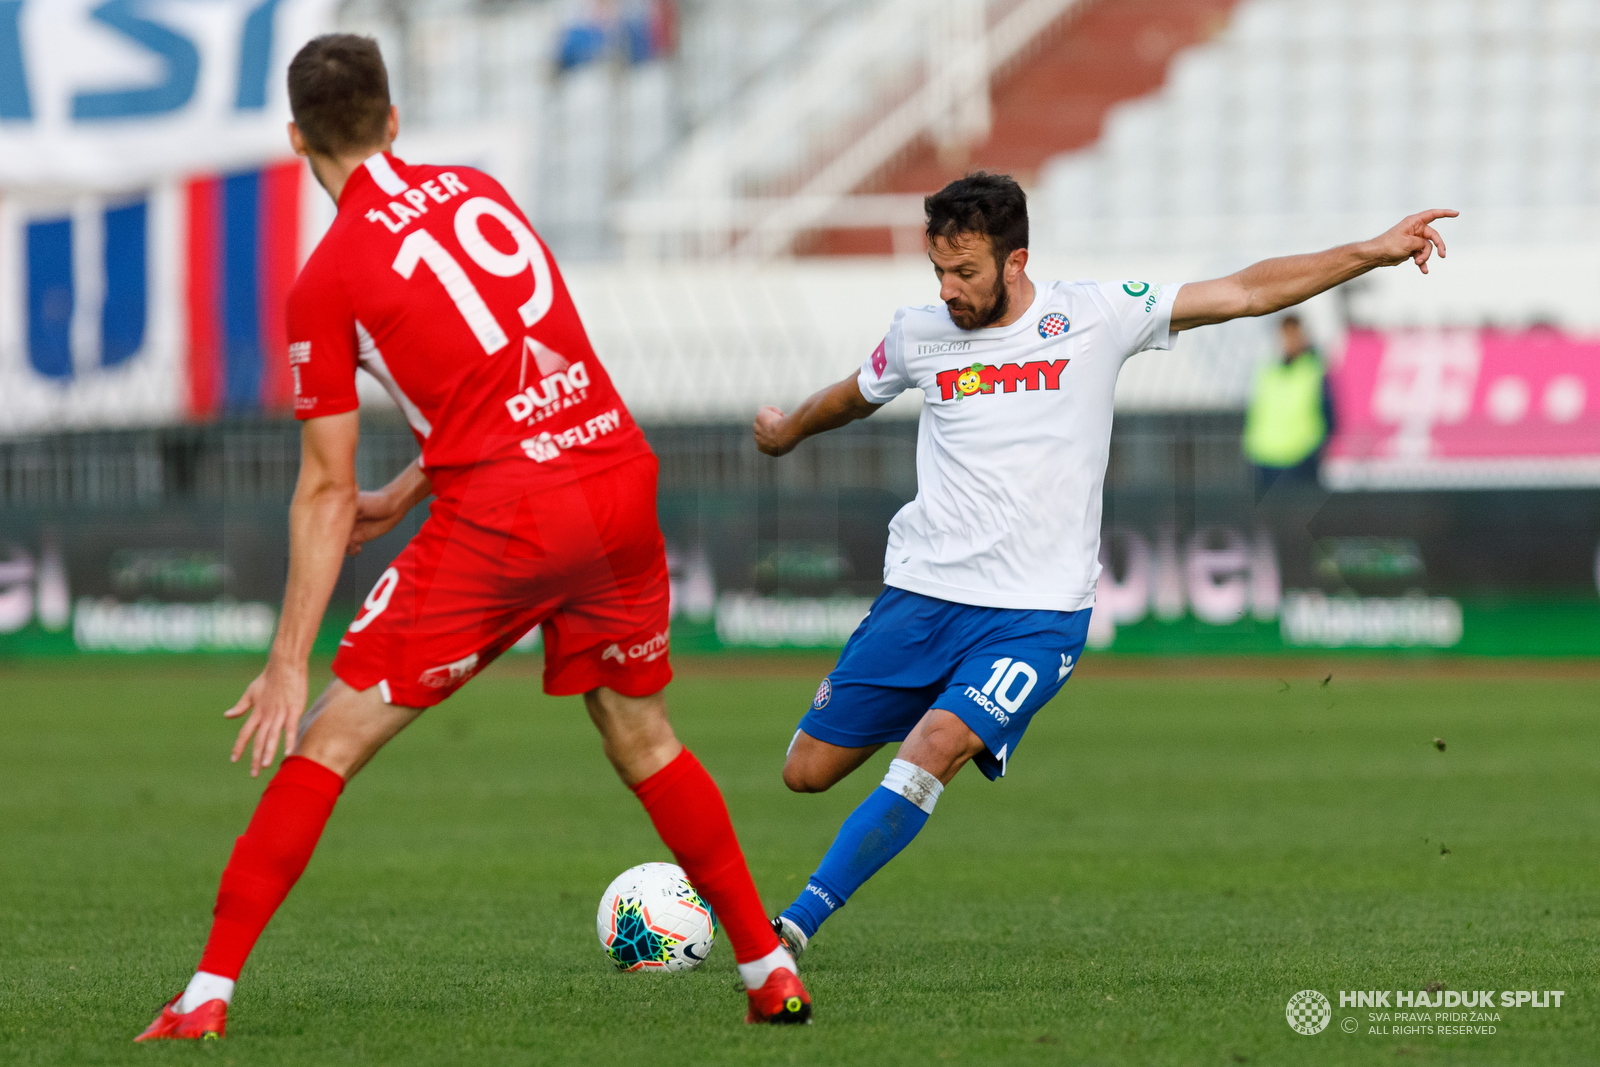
column 1013, row 441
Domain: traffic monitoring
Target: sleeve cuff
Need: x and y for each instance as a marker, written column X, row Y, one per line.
column 322, row 409
column 870, row 390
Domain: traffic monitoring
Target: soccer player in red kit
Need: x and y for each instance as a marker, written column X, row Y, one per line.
column 431, row 279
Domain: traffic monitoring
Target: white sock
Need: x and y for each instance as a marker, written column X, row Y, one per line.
column 756, row 972
column 913, row 783
column 204, row 988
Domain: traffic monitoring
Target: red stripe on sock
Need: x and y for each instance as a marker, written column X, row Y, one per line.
column 268, row 859
column 688, row 812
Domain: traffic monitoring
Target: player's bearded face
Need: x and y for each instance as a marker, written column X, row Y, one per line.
column 979, row 298
column 973, row 314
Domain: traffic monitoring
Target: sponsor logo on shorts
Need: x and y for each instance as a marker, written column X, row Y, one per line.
column 961, row 382
column 988, row 705
column 645, row 651
column 548, row 446
column 450, row 673
column 824, row 693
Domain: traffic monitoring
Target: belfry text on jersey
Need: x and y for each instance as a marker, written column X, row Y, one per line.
column 978, row 378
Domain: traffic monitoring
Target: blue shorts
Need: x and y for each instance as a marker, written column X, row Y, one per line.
column 991, row 667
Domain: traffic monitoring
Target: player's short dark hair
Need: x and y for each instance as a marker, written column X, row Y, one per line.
column 339, row 93
column 990, row 204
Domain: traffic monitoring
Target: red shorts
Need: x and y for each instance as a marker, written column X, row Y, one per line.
column 585, row 560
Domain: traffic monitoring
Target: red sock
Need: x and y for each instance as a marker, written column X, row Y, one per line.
column 268, row 859
column 689, row 814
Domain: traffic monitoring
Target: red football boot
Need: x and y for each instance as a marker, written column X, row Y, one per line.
column 205, row 1023
column 781, row 1000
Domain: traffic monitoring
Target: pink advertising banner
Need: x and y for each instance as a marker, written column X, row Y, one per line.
column 1448, row 408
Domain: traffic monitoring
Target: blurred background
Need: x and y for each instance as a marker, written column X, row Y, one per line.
column 733, row 190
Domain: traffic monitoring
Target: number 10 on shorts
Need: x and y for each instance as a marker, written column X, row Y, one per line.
column 1004, row 679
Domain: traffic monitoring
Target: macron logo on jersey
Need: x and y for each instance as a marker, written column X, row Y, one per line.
column 963, row 382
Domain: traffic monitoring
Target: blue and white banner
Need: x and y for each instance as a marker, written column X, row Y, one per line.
column 114, row 94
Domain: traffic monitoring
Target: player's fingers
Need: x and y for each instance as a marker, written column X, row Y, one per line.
column 241, row 707
column 1435, row 213
column 1433, row 235
column 270, row 750
column 258, row 749
column 245, row 731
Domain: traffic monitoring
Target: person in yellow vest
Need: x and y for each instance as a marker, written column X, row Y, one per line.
column 1291, row 413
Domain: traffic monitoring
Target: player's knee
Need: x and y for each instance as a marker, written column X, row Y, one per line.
column 802, row 779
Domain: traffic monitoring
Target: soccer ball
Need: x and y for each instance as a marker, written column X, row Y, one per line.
column 651, row 919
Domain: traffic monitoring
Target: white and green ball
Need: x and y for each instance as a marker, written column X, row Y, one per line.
column 651, row 919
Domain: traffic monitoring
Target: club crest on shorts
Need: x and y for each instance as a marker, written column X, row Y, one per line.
column 450, row 673
column 1053, row 325
column 824, row 692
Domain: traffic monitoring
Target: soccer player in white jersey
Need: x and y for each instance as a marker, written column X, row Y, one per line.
column 991, row 570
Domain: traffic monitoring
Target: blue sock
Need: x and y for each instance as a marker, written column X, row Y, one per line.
column 873, row 835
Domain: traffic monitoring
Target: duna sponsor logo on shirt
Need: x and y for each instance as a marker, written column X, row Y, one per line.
column 978, row 379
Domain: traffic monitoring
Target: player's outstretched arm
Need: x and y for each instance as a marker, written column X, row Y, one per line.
column 833, row 407
column 379, row 510
column 1274, row 284
column 320, row 519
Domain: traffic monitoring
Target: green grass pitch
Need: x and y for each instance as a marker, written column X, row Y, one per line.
column 1169, row 860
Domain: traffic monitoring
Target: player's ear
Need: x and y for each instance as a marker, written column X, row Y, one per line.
column 1016, row 263
column 392, row 129
column 297, row 142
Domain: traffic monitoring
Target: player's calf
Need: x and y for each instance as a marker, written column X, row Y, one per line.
column 885, row 822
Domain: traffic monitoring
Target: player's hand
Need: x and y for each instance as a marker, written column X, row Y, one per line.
column 376, row 514
column 275, row 701
column 772, row 437
column 1413, row 238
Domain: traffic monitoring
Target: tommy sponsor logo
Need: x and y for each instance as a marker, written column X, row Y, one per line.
column 439, row 190
column 450, row 673
column 548, row 446
column 969, row 381
column 645, row 651
column 936, row 348
column 562, row 389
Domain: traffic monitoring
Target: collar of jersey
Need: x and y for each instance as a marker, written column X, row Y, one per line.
column 1022, row 323
column 361, row 179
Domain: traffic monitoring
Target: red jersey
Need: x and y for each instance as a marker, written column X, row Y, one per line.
column 432, row 281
